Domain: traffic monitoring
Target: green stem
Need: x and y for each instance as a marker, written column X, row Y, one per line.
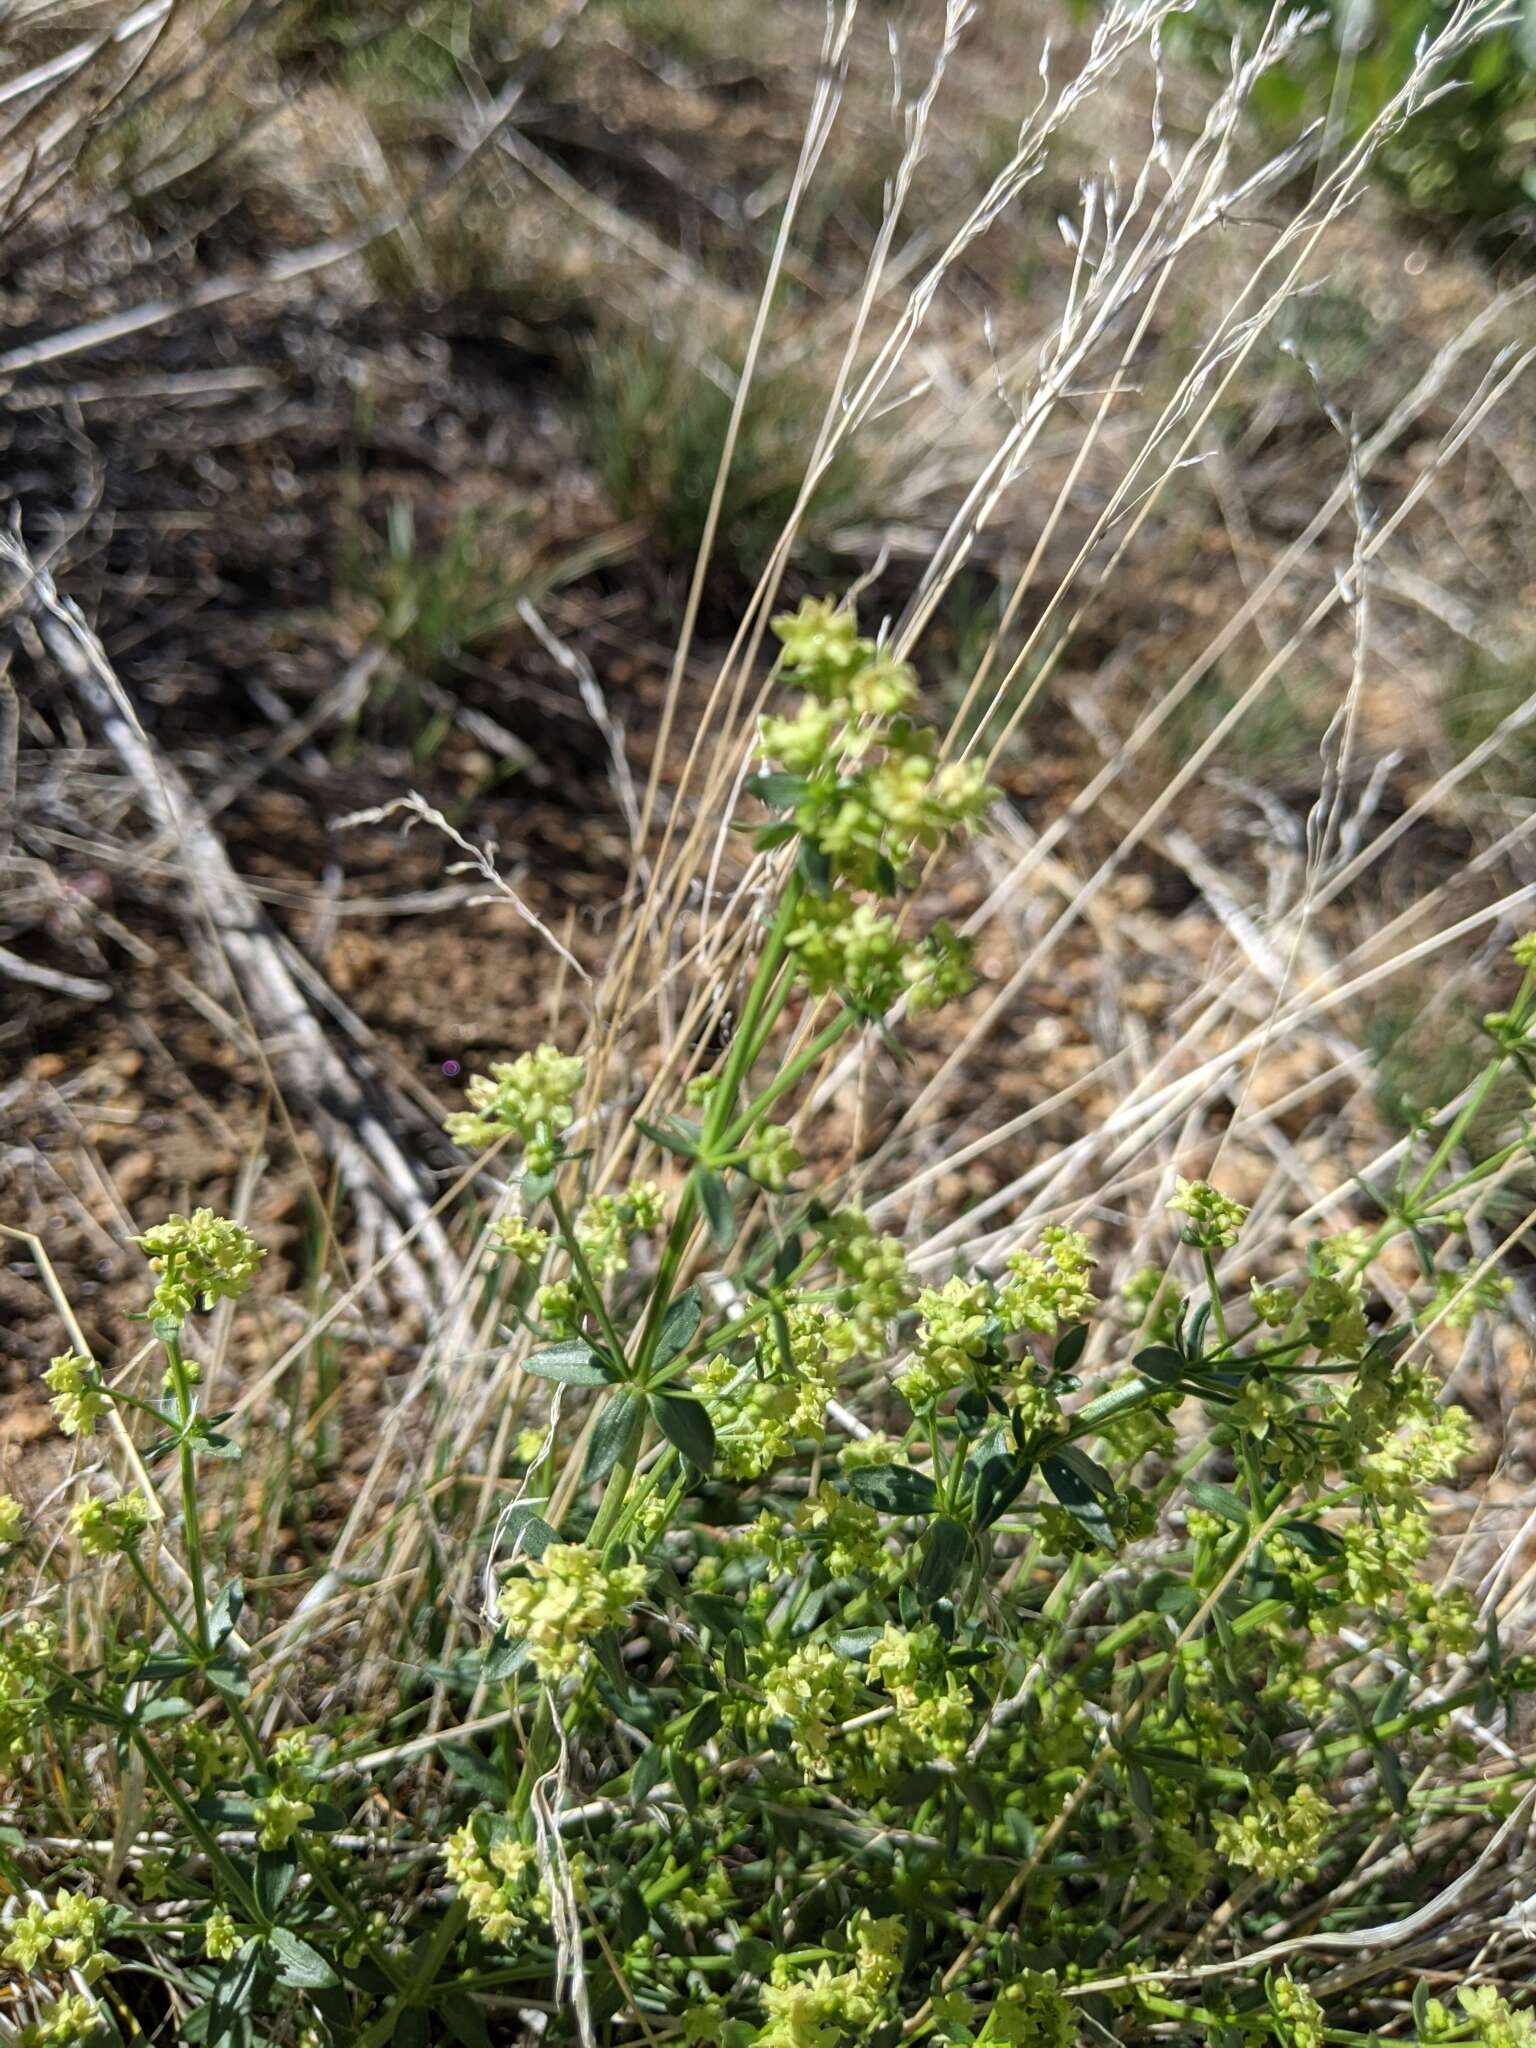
column 192, row 1533
column 586, row 1277
column 797, row 1068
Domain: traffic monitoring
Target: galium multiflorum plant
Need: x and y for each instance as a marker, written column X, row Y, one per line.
column 863, row 1664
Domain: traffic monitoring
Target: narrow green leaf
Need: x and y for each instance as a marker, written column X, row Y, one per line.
column 715, row 1199
column 464, row 2018
column 680, row 1141
column 944, row 1553
column 685, row 1779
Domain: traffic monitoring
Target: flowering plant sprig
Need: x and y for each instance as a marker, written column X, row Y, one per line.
column 865, row 1644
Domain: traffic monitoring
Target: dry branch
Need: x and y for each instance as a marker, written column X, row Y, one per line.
column 222, row 914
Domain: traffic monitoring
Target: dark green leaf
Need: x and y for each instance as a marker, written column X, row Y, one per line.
column 1393, row 1699
column 471, row 1767
column 715, row 1199
column 897, row 1489
column 779, row 833
column 611, row 1433
column 1390, row 1771
column 1313, row 1538
column 634, row 1913
column 1070, row 1347
column 526, row 1534
column 275, row 1872
column 412, row 2030
column 685, row 1423
column 814, row 868
column 504, row 1656
column 1079, row 1500
column 685, row 1779
column 209, row 1443
column 1219, row 1501
column 677, row 1135
column 786, row 1259
column 723, row 1616
column 1160, row 1362
column 943, row 1555
column 779, row 790
column 574, row 1363
column 649, row 1770
column 233, row 1990
column 225, row 1609
column 165, row 1666
column 228, row 1677
column 703, row 1722
column 299, row 1966
column 678, row 1326
column 1089, row 1470
column 465, row 2022
column 998, row 1484
column 168, row 1707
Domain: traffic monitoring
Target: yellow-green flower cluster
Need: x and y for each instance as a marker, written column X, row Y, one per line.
column 1276, row 1838
column 1031, row 2013
column 843, row 1530
column 1460, row 1297
column 937, row 970
column 109, row 1528
column 494, row 1879
column 78, row 1395
column 933, row 1706
column 568, row 1596
column 522, row 1239
column 200, row 1259
column 25, row 1652
column 1299, row 2019
column 558, row 1306
column 1050, row 1288
column 1495, row 2022
column 607, row 1224
column 11, row 1519
column 1274, row 1306
column 952, row 1335
column 279, row 1815
column 810, row 2009
column 882, row 1287
column 63, row 1936
column 221, row 1938
column 812, row 1688
column 759, row 1419
column 69, row 2022
column 1215, row 1221
column 865, row 791
column 529, row 1097
column 771, row 1154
